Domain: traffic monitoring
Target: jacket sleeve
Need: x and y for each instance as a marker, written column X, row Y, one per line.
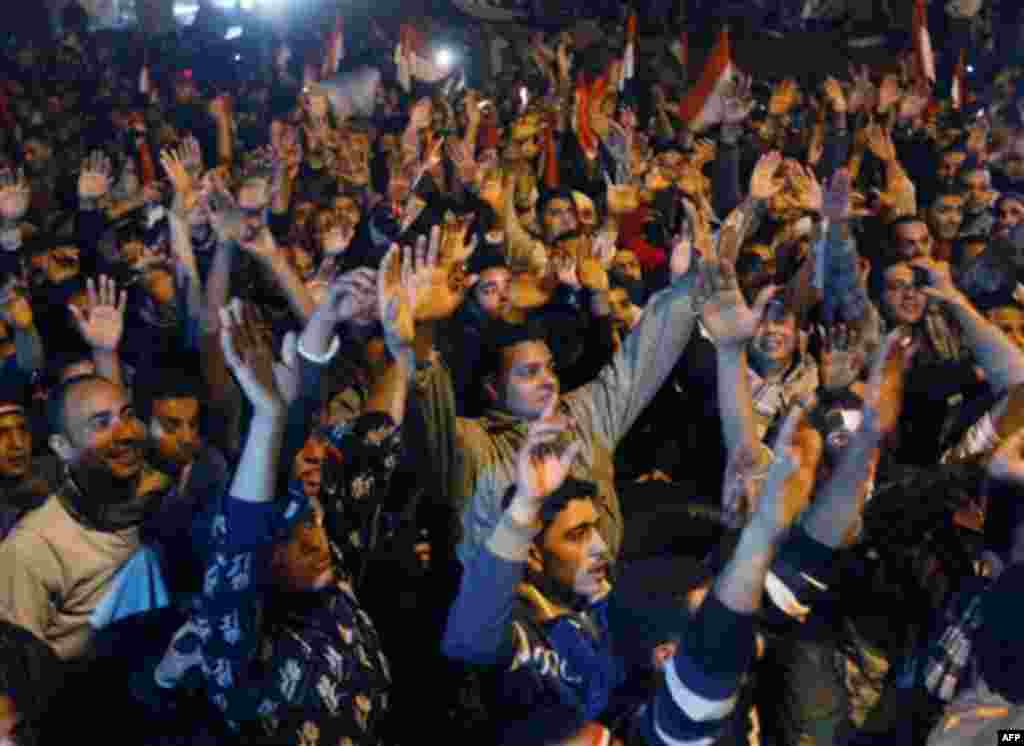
column 648, row 354
column 725, row 181
column 226, row 621
column 29, row 575
column 453, row 465
column 479, row 628
column 701, row 683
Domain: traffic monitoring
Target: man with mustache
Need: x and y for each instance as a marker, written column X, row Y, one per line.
column 25, row 482
column 61, row 561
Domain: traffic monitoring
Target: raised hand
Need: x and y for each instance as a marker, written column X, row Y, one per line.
column 738, row 101
column 14, row 306
column 765, row 182
column 542, row 466
column 225, row 217
column 248, row 354
column 889, row 93
column 590, row 270
column 784, row 97
column 447, row 283
column 101, row 321
column 1007, row 463
column 454, row 248
column 834, row 95
column 940, row 285
column 724, row 311
column 15, row 195
column 402, row 276
column 94, row 180
column 841, row 359
column 191, row 156
column 915, row 101
column 806, row 186
column 883, row 397
column 177, row 171
column 564, row 266
column 862, row 94
column 788, row 487
column 682, row 246
column 879, row 142
column 352, row 298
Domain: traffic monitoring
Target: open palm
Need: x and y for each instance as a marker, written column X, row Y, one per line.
column 101, row 321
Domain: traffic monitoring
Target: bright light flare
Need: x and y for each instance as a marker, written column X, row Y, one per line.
column 233, row 33
column 444, row 58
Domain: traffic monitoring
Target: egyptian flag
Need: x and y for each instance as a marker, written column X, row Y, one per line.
column 709, row 89
column 551, row 177
column 923, row 52
column 413, row 60
column 334, row 50
column 588, row 95
column 629, row 55
column 958, row 89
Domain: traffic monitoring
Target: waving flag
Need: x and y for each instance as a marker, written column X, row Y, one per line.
column 958, row 90
column 588, row 95
column 629, row 56
column 923, row 42
column 412, row 58
column 335, row 49
column 705, row 97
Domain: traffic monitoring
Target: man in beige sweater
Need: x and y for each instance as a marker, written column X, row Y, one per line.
column 61, row 567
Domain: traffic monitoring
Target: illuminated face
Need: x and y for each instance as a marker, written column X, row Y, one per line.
column 949, row 165
column 348, row 209
column 1009, row 215
column 977, row 183
column 903, row 299
column 945, row 217
column 101, row 431
column 913, row 240
column 15, row 443
column 174, row 430
column 586, row 211
column 571, row 552
column 775, row 341
column 624, row 313
column 309, row 464
column 492, row 292
column 527, row 383
column 304, row 562
column 559, row 218
column 1010, row 321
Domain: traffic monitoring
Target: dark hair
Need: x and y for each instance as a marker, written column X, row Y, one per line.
column 56, row 404
column 900, row 221
column 571, row 489
column 166, row 380
column 500, row 335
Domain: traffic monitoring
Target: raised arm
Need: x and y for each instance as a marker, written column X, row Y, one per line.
column 101, row 324
column 28, row 345
column 1000, row 359
column 702, row 680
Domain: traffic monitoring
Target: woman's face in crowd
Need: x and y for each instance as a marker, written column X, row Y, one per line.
column 174, row 429
column 527, row 383
column 1009, row 215
column 15, row 444
column 304, row 562
column 1010, row 321
column 904, row 300
column 949, row 164
column 776, row 338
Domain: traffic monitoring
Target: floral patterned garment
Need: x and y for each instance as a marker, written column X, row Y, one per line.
column 315, row 674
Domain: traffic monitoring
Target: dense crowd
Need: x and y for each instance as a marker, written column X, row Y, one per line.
column 347, row 403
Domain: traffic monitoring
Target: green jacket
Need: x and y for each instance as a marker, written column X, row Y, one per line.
column 475, row 459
